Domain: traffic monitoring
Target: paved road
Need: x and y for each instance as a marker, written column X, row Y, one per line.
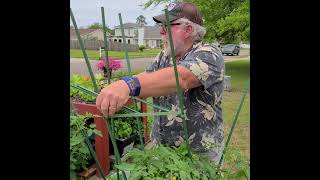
column 78, row 66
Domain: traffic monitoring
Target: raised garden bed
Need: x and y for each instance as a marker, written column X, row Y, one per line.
column 102, row 144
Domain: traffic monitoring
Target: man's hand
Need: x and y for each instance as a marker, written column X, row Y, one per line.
column 113, row 97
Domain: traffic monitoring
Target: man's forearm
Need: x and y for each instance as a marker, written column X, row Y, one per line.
column 163, row 82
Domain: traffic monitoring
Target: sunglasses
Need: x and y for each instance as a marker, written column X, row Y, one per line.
column 164, row 26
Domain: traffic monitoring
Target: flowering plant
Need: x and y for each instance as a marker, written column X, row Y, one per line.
column 114, row 64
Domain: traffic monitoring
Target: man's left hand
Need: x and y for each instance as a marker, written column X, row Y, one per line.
column 113, row 97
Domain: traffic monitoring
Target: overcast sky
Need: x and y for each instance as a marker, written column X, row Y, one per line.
column 87, row 12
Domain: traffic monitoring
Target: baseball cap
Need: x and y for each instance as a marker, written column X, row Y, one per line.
column 179, row 10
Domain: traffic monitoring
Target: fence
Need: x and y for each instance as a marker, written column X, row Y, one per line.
column 96, row 44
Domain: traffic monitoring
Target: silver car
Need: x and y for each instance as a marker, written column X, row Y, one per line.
column 231, row 49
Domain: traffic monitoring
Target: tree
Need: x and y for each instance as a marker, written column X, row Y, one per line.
column 95, row 26
column 99, row 26
column 236, row 26
column 219, row 15
column 154, row 3
column 141, row 20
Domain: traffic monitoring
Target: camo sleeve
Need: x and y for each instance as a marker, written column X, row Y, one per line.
column 153, row 66
column 207, row 64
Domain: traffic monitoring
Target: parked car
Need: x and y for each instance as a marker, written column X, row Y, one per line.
column 231, row 49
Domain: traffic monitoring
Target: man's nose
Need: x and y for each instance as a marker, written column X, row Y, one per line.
column 162, row 30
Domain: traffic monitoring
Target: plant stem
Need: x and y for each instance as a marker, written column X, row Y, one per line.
column 181, row 105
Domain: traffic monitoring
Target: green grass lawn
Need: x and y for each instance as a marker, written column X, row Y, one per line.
column 239, row 72
column 244, row 51
column 240, row 140
column 94, row 54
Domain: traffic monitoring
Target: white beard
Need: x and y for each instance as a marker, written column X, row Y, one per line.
column 167, row 51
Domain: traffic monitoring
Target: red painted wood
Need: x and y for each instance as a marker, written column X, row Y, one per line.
column 102, row 143
column 145, row 121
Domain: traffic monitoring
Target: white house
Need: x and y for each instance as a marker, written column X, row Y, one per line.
column 151, row 36
column 148, row 36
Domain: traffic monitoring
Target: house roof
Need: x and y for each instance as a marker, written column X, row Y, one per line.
column 82, row 32
column 128, row 25
column 152, row 32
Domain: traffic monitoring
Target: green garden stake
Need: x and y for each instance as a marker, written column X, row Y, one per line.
column 234, row 122
column 87, row 62
column 88, row 91
column 128, row 109
column 116, row 150
column 108, row 120
column 153, row 105
column 181, row 105
column 107, row 58
column 105, row 44
column 84, row 52
column 138, row 121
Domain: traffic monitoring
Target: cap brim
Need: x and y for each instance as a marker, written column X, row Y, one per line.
column 162, row 18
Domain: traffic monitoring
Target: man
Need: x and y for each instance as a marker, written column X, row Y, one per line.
column 201, row 73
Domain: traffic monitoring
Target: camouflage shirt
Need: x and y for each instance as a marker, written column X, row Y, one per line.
column 202, row 104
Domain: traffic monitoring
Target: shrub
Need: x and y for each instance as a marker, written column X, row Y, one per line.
column 141, row 48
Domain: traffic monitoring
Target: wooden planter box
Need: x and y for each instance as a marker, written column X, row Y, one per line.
column 102, row 143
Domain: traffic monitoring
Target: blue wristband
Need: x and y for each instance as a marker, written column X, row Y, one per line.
column 133, row 84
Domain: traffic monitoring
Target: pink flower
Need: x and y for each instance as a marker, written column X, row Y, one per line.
column 114, row 64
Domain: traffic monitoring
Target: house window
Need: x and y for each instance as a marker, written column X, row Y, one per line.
column 128, row 41
column 115, row 40
column 120, row 40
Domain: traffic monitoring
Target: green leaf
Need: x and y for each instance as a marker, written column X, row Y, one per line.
column 185, row 175
column 90, row 131
column 72, row 159
column 240, row 174
column 72, row 167
column 73, row 175
column 79, row 152
column 97, row 132
column 196, row 174
column 92, row 125
column 172, row 167
column 135, row 175
column 125, row 166
column 76, row 140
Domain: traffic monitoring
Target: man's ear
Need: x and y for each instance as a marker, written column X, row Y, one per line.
column 189, row 30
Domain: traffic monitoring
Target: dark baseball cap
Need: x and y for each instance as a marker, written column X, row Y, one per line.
column 179, row 10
